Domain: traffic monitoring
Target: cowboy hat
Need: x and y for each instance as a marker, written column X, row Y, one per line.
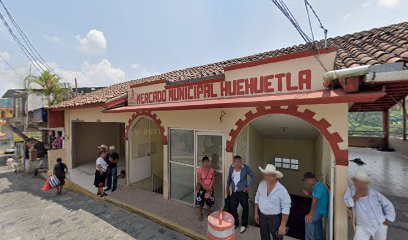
column 362, row 176
column 112, row 148
column 103, row 146
column 271, row 169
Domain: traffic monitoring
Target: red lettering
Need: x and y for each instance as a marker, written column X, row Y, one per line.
column 305, row 79
column 224, row 88
column 249, row 85
column 240, row 87
column 258, row 85
column 289, row 86
column 189, row 95
column 280, row 77
column 267, row 83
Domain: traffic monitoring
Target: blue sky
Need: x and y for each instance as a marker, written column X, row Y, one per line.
column 105, row 42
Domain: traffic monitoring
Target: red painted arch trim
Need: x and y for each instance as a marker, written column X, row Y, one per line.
column 322, row 125
column 281, row 58
column 151, row 116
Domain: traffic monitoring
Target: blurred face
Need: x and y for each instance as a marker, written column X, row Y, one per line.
column 206, row 163
column 310, row 181
column 111, row 151
column 103, row 154
column 269, row 178
column 237, row 162
column 361, row 185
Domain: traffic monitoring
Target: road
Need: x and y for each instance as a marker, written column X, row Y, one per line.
column 28, row 213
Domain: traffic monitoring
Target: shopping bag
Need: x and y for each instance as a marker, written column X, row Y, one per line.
column 47, row 186
column 54, row 181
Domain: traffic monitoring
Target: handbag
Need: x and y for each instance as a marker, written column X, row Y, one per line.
column 227, row 207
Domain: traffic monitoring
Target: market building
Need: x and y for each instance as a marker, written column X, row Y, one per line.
column 288, row 107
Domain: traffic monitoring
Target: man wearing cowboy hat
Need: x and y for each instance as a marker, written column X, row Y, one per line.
column 272, row 204
column 319, row 208
column 373, row 211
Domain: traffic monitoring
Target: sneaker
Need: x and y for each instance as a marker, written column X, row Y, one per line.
column 242, row 230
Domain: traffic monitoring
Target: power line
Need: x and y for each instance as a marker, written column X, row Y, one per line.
column 12, row 68
column 30, row 57
column 25, row 38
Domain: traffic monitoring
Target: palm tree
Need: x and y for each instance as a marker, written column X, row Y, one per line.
column 48, row 85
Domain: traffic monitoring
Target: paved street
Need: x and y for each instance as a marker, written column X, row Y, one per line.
column 28, row 213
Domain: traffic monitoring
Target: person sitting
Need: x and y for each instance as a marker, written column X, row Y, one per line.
column 205, row 184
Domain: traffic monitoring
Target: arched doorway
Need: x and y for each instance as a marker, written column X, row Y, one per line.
column 294, row 146
column 146, row 155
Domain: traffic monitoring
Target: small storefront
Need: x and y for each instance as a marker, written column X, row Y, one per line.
column 266, row 108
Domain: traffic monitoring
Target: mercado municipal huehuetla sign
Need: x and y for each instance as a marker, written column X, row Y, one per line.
column 289, row 76
column 257, row 85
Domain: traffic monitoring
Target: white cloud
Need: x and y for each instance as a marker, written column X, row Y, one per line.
column 93, row 43
column 388, row 3
column 347, row 16
column 5, row 55
column 96, row 75
column 100, row 74
column 366, row 4
column 141, row 72
column 54, row 39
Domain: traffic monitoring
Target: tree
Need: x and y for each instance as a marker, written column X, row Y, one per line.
column 48, row 85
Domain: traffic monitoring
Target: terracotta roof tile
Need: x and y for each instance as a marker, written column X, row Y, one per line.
column 375, row 46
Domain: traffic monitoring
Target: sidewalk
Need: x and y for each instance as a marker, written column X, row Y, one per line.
column 170, row 213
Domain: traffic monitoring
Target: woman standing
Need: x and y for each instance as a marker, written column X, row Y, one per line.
column 100, row 173
column 205, row 184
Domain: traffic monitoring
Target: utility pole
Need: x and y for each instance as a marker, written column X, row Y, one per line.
column 76, row 88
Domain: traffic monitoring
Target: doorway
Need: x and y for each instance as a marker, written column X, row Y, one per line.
column 146, row 156
column 187, row 148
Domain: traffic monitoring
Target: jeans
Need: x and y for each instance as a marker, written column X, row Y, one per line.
column 236, row 199
column 314, row 230
column 269, row 225
column 112, row 173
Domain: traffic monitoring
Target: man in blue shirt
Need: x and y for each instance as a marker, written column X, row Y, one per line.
column 318, row 210
column 238, row 178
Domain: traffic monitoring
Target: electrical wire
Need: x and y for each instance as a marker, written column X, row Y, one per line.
column 11, row 67
column 23, row 48
column 26, row 40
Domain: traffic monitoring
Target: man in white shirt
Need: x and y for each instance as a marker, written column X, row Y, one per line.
column 272, row 204
column 373, row 211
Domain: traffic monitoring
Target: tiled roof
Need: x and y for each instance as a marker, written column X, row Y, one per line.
column 376, row 46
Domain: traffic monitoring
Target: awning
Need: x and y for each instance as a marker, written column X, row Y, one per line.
column 304, row 98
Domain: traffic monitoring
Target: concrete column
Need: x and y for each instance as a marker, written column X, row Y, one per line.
column 386, row 128
column 340, row 210
column 166, row 179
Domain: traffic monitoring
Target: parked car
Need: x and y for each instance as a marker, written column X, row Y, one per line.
column 10, row 150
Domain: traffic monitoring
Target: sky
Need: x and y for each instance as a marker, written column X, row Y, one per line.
column 102, row 42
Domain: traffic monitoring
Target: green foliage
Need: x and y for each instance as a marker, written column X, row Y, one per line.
column 48, row 85
column 370, row 123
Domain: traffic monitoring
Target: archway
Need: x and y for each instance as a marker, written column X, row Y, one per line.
column 334, row 139
column 145, row 154
column 296, row 141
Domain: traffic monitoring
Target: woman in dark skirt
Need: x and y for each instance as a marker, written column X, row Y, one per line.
column 100, row 174
column 205, row 184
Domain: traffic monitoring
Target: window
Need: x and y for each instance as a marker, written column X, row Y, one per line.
column 287, row 163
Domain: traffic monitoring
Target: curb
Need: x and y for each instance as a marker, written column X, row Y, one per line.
column 160, row 220
column 148, row 215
